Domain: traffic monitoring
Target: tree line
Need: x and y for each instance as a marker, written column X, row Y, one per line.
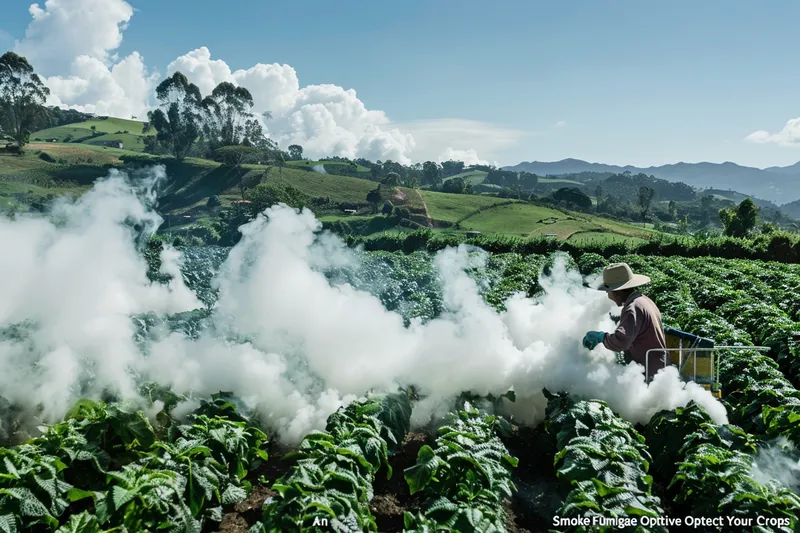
column 190, row 124
column 22, row 99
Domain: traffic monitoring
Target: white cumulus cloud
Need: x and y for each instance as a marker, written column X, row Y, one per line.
column 124, row 90
column 434, row 137
column 73, row 44
column 201, row 70
column 469, row 157
column 65, row 29
column 325, row 119
column 788, row 136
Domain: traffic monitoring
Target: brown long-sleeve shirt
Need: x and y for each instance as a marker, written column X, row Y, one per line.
column 640, row 329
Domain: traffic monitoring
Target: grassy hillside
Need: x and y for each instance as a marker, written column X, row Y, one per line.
column 58, row 166
column 476, row 177
column 52, row 168
column 329, row 166
column 129, row 132
column 561, row 182
column 110, row 125
column 473, row 177
column 453, row 207
column 196, row 179
column 529, row 220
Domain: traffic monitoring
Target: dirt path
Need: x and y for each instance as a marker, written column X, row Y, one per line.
column 425, row 206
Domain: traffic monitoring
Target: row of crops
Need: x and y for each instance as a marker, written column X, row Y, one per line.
column 109, row 467
column 106, row 469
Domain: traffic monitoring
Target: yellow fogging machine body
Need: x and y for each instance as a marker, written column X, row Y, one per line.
column 697, row 358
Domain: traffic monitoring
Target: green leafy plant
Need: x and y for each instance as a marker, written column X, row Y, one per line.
column 140, row 499
column 84, row 523
column 333, row 475
column 32, row 489
column 602, row 460
column 717, row 482
column 234, row 444
column 465, row 478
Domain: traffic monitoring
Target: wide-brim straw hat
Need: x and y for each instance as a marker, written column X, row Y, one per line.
column 619, row 276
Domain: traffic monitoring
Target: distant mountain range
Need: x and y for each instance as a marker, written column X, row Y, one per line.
column 777, row 184
column 792, row 209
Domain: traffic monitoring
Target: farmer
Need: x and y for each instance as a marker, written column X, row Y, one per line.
column 640, row 328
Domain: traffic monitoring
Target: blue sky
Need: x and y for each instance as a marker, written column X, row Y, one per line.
column 635, row 82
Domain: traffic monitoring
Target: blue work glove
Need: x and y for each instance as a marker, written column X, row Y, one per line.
column 592, row 339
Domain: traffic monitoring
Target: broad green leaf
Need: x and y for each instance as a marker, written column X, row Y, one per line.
column 233, row 494
column 419, row 475
column 8, row 523
column 121, row 497
column 74, row 494
column 80, row 523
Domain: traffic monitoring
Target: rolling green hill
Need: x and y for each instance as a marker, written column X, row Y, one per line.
column 453, row 207
column 109, row 125
column 477, row 177
column 129, row 132
column 58, row 166
column 330, row 166
column 559, row 181
column 522, row 219
column 49, row 168
column 472, row 177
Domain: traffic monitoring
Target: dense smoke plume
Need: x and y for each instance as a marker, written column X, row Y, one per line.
column 778, row 461
column 71, row 283
column 287, row 341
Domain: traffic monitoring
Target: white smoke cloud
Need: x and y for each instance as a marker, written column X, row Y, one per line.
column 788, row 136
column 347, row 342
column 779, row 461
column 312, row 345
column 78, row 300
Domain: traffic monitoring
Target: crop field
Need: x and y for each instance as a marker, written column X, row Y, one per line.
column 176, row 459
